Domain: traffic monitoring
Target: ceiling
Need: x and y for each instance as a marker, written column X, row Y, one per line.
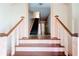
column 43, row 8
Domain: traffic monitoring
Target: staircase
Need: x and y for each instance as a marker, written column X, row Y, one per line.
column 34, row 30
column 35, row 46
column 39, row 47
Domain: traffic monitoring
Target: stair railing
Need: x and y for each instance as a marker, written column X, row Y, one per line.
column 11, row 38
column 65, row 35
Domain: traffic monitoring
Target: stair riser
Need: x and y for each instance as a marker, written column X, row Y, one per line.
column 40, row 41
column 39, row 53
column 48, row 49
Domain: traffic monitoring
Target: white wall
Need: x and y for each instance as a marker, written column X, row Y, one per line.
column 9, row 13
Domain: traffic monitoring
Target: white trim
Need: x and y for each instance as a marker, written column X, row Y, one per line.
column 40, row 41
column 49, row 49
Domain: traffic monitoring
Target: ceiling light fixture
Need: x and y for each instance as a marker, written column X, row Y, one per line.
column 40, row 3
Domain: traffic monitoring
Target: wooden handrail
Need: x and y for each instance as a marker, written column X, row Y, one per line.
column 72, row 34
column 11, row 30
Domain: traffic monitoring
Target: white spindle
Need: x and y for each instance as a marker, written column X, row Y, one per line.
column 17, row 36
column 3, row 46
column 65, row 41
column 75, row 46
column 13, row 43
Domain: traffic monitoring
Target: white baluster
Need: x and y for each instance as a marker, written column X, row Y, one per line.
column 17, row 36
column 3, row 46
column 65, row 41
column 61, row 36
column 20, row 30
column 57, row 29
column 75, row 46
column 13, row 43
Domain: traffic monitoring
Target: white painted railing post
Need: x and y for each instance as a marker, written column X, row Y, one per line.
column 62, row 36
column 65, row 42
column 3, row 46
column 17, row 36
column 13, row 43
column 75, row 46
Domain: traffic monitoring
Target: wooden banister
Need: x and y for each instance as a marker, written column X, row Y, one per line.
column 11, row 30
column 3, row 34
column 72, row 34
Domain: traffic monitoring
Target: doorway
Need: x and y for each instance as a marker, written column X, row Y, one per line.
column 39, row 19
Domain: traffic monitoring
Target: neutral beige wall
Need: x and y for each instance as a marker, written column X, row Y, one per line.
column 27, row 19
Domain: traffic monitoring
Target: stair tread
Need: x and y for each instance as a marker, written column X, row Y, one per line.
column 28, row 53
column 39, row 41
column 35, row 48
column 39, row 45
column 39, row 38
